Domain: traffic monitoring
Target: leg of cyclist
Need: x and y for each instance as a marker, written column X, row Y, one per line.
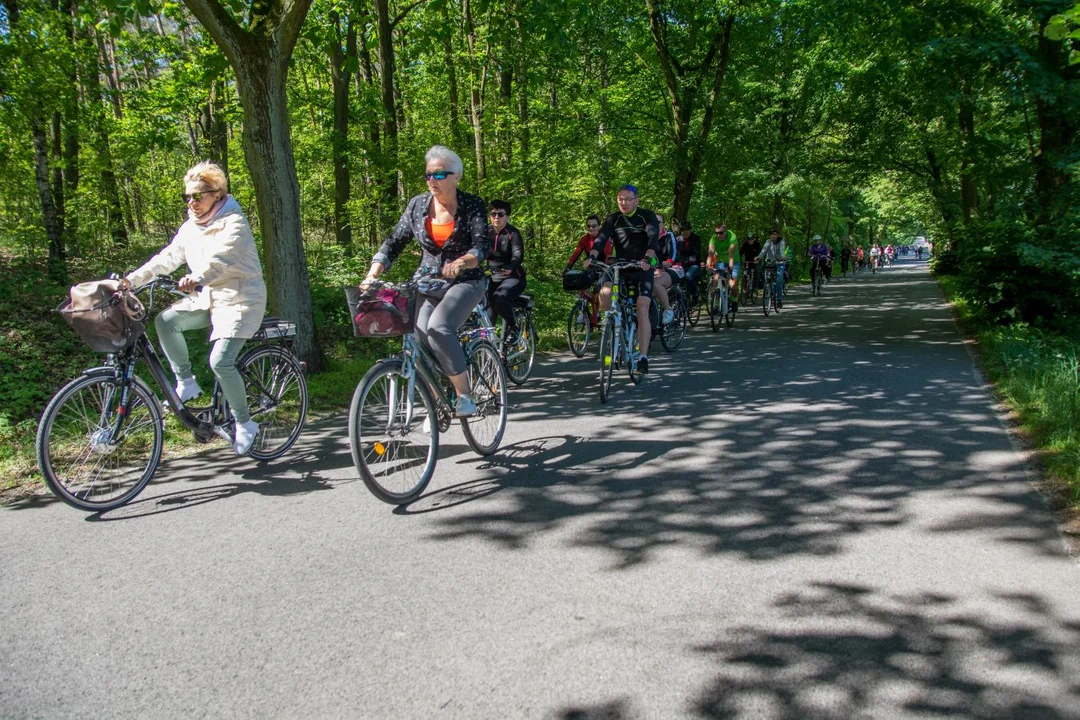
column 503, row 295
column 605, row 297
column 733, row 287
column 171, row 324
column 661, row 283
column 644, row 301
column 437, row 325
column 692, row 274
column 223, row 362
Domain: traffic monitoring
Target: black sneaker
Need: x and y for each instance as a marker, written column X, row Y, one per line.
column 511, row 339
column 643, row 365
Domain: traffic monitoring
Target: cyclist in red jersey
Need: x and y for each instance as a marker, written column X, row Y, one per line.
column 585, row 244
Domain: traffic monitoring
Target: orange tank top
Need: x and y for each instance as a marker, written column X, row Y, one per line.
column 439, row 232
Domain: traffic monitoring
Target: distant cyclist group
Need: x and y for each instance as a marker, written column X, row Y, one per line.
column 99, row 441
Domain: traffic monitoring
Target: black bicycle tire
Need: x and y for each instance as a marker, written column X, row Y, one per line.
column 580, row 309
column 48, row 418
column 607, row 358
column 766, row 297
column 378, row 370
column 480, row 347
column 298, row 371
column 530, row 334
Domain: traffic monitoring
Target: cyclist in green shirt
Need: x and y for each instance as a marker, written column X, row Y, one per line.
column 726, row 238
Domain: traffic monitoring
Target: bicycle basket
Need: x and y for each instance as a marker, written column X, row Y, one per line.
column 575, row 280
column 384, row 311
column 104, row 321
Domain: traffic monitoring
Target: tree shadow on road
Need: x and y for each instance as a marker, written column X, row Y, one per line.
column 785, row 436
column 845, row 651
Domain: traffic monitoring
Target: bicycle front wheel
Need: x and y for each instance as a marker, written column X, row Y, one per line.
column 394, row 438
column 520, row 358
column 634, row 347
column 485, row 429
column 607, row 358
column 578, row 328
column 277, row 397
column 672, row 334
column 714, row 308
column 93, row 454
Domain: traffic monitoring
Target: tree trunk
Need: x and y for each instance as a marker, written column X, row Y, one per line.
column 506, row 85
column 114, row 211
column 268, row 151
column 524, row 135
column 451, row 76
column 683, row 96
column 339, row 63
column 53, row 229
column 969, row 197
column 1057, row 122
column 476, row 96
column 390, row 119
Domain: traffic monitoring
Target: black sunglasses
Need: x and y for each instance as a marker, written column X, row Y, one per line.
column 497, row 214
column 437, row 175
column 197, row 196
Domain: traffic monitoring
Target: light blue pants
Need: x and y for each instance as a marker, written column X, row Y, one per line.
column 171, row 325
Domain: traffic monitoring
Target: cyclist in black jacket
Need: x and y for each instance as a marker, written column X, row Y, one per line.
column 632, row 234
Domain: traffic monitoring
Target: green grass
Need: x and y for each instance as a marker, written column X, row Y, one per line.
column 1036, row 373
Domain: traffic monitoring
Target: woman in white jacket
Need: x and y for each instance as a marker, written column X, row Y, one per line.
column 217, row 246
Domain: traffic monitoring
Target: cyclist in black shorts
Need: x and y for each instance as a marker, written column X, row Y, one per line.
column 631, row 234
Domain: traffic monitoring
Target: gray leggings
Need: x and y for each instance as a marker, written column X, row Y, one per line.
column 172, row 323
column 438, row 321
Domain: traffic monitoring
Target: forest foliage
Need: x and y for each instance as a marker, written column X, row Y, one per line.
column 953, row 119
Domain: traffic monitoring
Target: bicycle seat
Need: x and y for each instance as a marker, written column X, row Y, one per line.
column 525, row 301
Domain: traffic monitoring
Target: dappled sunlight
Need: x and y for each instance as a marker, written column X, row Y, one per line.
column 778, row 437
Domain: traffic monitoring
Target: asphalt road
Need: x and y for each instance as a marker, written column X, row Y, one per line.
column 814, row 515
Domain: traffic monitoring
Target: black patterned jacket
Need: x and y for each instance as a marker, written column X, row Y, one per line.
column 469, row 236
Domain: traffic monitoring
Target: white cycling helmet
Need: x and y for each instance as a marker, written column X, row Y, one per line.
column 816, row 238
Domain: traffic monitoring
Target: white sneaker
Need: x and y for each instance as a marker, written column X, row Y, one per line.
column 245, row 436
column 464, row 407
column 188, row 389
column 669, row 315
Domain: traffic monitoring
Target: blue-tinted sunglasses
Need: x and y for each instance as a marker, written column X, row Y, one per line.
column 437, row 175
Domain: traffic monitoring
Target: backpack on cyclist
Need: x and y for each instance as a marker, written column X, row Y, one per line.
column 106, row 320
column 575, row 280
column 386, row 311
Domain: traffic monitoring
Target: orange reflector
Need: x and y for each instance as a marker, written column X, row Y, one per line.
column 380, row 449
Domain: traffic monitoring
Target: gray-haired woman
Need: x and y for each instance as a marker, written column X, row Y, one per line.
column 217, row 246
column 451, row 226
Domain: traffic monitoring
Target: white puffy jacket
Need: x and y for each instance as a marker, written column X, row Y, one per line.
column 223, row 259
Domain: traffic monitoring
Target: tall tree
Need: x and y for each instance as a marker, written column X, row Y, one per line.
column 686, row 80
column 259, row 54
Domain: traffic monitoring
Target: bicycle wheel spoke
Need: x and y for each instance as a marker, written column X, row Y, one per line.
column 86, row 461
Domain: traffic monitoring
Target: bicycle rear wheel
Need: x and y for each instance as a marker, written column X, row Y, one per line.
column 82, row 462
column 277, row 398
column 578, row 328
column 487, row 381
column 693, row 314
column 520, row 358
column 394, row 440
column 607, row 358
